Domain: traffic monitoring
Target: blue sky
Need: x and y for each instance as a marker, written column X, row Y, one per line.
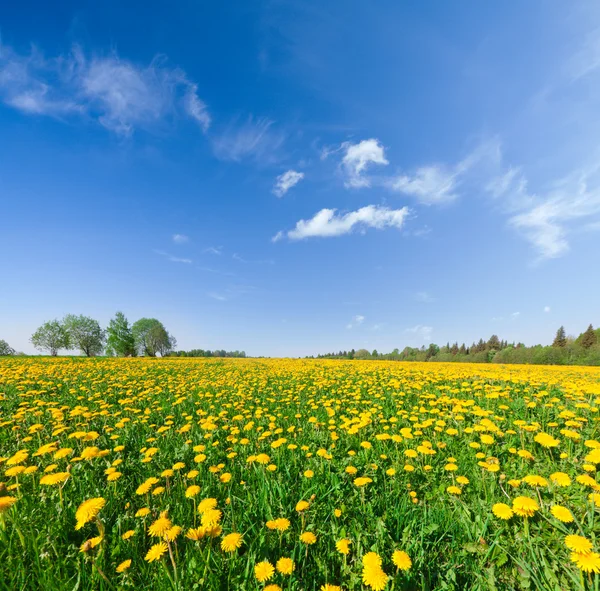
column 292, row 178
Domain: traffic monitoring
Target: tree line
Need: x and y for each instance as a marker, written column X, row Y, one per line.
column 565, row 350
column 145, row 337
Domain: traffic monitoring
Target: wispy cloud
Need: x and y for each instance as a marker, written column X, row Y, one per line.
column 358, row 158
column 424, row 297
column 255, row 139
column 172, row 258
column 218, row 250
column 286, row 181
column 420, row 331
column 230, row 293
column 216, row 271
column 547, row 218
column 120, row 95
column 515, row 315
column 326, row 223
column 434, row 184
column 356, row 321
column 180, row 238
column 241, row 259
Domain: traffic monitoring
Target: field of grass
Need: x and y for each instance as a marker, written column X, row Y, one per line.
column 297, row 475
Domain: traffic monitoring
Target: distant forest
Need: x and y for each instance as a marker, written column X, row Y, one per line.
column 564, row 350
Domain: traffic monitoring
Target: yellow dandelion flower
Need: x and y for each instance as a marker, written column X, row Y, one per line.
column 308, row 538
column 502, row 511
column 525, row 506
column 562, row 514
column 160, row 527
column 156, row 552
column 401, row 560
column 285, row 566
column 231, row 542
column 123, row 566
column 263, row 571
column 588, row 562
column 6, row 502
column 343, row 546
column 88, row 510
column 578, row 544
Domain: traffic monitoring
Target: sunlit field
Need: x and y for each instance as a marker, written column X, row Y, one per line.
column 297, row 475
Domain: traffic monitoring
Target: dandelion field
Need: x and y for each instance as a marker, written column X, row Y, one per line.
column 297, row 475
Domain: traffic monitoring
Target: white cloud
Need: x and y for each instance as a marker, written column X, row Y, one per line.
column 326, row 223
column 172, row 258
column 180, row 238
column 119, row 94
column 515, row 315
column 357, row 159
column 546, row 309
column 429, row 184
column 286, row 181
column 218, row 250
column 255, row 138
column 423, row 332
column 434, row 184
column 356, row 321
column 547, row 218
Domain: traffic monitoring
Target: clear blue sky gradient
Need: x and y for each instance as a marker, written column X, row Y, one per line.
column 125, row 124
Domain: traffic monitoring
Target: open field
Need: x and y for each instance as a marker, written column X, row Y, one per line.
column 362, row 475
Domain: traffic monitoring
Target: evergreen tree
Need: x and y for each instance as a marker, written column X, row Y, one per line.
column 494, row 343
column 120, row 340
column 589, row 338
column 560, row 340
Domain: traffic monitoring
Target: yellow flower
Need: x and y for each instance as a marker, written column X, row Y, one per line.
column 401, row 560
column 206, row 505
column 56, row 478
column 328, row 587
column 302, row 506
column 272, row 588
column 525, row 506
column 211, row 517
column 578, row 544
column 128, row 534
column 502, row 511
column 6, row 503
column 231, row 542
column 156, row 552
column 343, row 546
column 337, row 512
column 362, row 481
column 160, row 527
column 124, row 566
column 280, row 524
column 308, row 537
column 546, row 440
column 88, row 510
column 195, row 534
column 454, row 490
column 588, row 562
column 560, row 479
column 309, row 474
column 142, row 512
column 89, row 544
column 285, row 566
column 263, row 571
column 562, row 514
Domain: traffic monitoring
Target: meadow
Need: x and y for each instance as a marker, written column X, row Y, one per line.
column 297, row 475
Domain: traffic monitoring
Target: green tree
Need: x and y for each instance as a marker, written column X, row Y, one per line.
column 151, row 337
column 51, row 337
column 120, row 341
column 494, row 343
column 560, row 340
column 362, row 354
column 588, row 338
column 6, row 349
column 85, row 334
